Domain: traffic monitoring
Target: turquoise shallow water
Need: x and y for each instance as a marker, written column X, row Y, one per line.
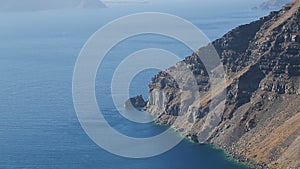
column 38, row 124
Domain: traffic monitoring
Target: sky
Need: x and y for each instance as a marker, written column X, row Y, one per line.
column 188, row 4
column 192, row 5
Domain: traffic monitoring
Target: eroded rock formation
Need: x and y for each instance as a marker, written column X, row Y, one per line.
column 136, row 102
column 261, row 121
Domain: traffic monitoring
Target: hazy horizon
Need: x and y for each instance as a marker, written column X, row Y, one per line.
column 37, row 5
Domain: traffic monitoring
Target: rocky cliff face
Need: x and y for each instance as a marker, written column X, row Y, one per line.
column 260, row 124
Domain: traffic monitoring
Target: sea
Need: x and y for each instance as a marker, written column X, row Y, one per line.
column 39, row 128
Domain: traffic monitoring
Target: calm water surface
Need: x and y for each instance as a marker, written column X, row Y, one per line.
column 38, row 124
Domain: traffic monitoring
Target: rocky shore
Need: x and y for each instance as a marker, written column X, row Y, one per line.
column 260, row 124
column 137, row 102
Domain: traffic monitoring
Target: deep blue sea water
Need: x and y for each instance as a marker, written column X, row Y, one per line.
column 38, row 124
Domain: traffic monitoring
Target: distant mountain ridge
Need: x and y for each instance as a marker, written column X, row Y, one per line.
column 261, row 121
column 39, row 5
column 272, row 5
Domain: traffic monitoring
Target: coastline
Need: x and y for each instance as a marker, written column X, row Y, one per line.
column 228, row 155
column 262, row 89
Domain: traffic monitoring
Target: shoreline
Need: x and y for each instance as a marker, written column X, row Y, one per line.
column 229, row 156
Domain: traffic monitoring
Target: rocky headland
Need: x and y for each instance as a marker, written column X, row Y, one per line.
column 136, row 102
column 260, row 124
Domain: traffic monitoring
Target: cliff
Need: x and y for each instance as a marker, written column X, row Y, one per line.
column 261, row 121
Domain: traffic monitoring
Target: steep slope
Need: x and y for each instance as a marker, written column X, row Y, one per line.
column 261, row 121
